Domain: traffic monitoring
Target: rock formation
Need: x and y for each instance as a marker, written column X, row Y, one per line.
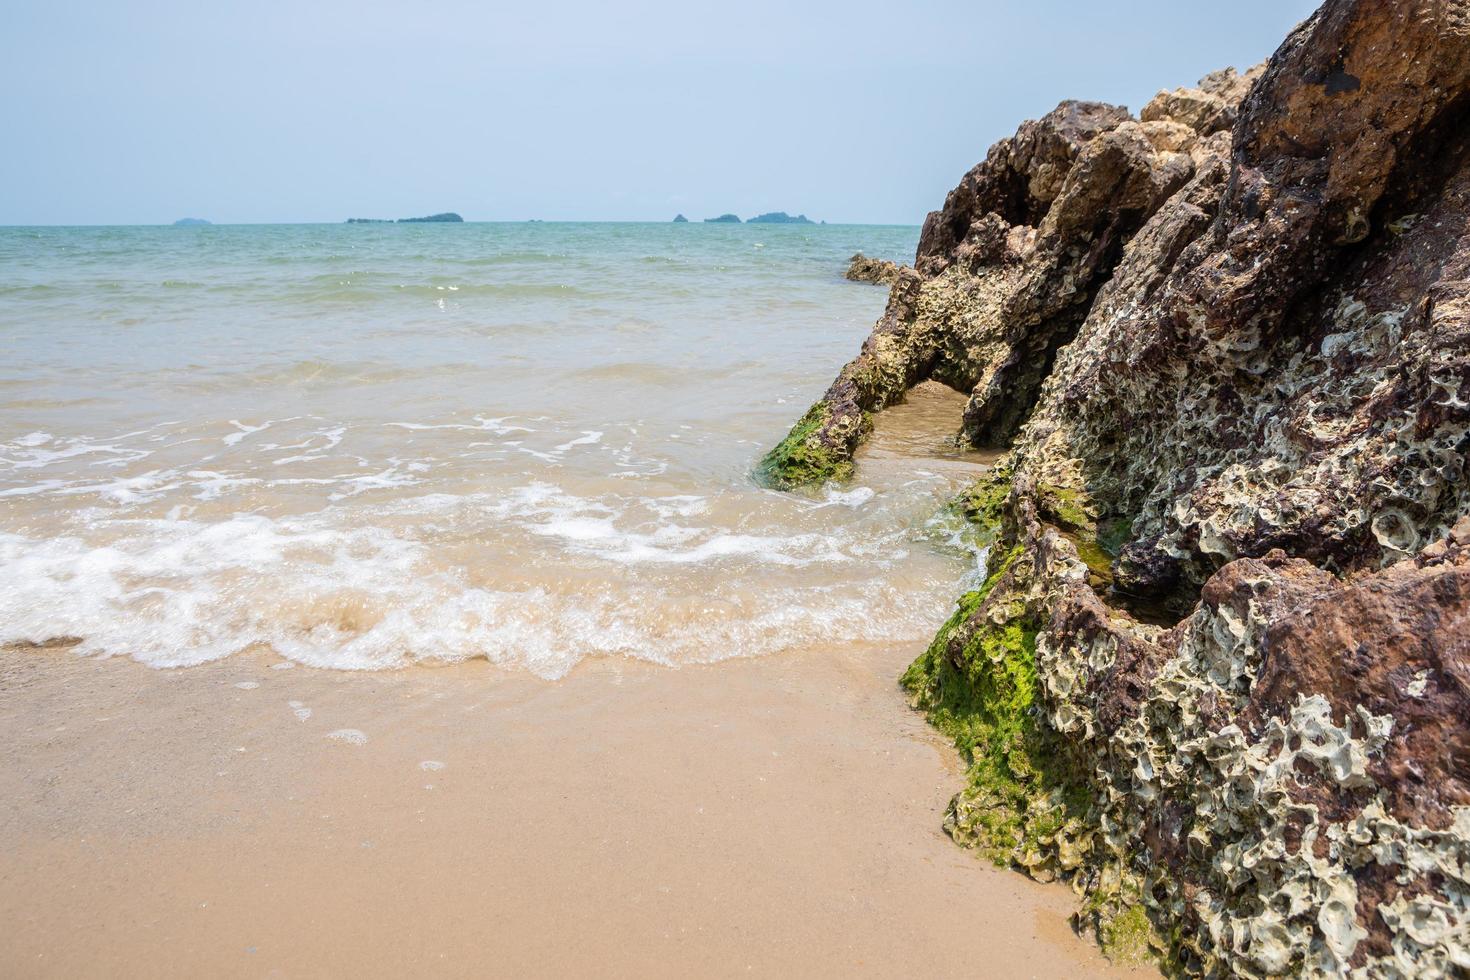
column 724, row 219
column 860, row 268
column 1218, row 674
column 679, row 219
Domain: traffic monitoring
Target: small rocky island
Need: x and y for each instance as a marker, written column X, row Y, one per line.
column 724, row 219
column 446, row 216
column 679, row 219
column 191, row 223
column 780, row 218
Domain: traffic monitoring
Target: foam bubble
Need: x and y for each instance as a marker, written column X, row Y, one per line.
column 349, row 735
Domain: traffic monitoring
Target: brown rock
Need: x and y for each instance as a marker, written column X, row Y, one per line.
column 1397, row 643
column 1234, row 332
column 860, row 268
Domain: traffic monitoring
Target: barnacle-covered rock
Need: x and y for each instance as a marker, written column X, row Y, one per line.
column 1218, row 677
column 1231, row 777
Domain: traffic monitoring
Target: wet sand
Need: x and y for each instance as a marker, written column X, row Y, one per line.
column 778, row 816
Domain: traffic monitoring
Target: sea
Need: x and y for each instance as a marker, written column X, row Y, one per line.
column 379, row 446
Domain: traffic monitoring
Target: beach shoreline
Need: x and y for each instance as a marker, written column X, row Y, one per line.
column 777, row 815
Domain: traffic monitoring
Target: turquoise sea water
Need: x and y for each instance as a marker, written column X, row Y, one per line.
column 370, row 445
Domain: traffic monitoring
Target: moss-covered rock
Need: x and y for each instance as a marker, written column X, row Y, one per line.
column 977, row 683
column 1126, row 936
column 1068, row 508
column 983, row 502
column 808, row 455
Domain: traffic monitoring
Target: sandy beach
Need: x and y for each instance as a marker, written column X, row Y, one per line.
column 678, row 490
column 778, row 816
column 593, row 815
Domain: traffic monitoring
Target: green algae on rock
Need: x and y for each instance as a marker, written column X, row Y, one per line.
column 806, row 457
column 977, row 683
column 983, row 502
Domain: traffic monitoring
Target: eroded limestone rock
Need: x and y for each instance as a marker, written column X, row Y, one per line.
column 1218, row 677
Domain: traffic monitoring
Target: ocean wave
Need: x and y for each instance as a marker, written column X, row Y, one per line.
column 210, row 461
column 320, row 591
column 366, row 448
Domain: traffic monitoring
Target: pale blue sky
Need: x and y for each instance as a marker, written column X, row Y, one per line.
column 136, row 111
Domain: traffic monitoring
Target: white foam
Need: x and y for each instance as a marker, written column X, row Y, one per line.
column 534, row 576
column 26, row 454
column 585, row 439
column 349, row 735
column 430, row 765
column 496, row 426
column 244, row 430
column 333, row 439
column 680, row 505
column 45, row 486
column 212, row 485
column 853, row 498
column 591, row 527
column 398, row 474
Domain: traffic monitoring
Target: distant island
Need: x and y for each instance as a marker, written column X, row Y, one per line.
column 769, row 218
column 191, row 222
column 680, row 219
column 780, row 218
column 444, row 216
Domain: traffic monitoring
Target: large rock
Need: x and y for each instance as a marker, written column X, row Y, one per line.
column 1218, row 676
column 1007, row 271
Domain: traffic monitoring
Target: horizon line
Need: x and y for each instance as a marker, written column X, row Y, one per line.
column 467, row 221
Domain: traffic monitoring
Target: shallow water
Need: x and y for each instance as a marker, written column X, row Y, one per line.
column 365, row 446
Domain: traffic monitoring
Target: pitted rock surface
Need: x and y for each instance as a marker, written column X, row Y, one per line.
column 1219, row 671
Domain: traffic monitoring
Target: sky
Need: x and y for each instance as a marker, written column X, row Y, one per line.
column 141, row 112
